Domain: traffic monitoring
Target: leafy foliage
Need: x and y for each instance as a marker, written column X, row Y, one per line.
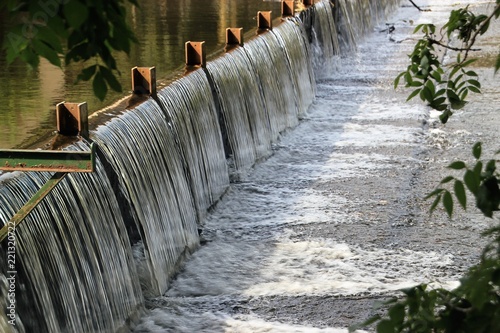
column 481, row 179
column 443, row 88
column 474, row 306
column 72, row 31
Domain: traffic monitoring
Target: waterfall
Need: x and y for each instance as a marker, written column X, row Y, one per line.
column 241, row 108
column 324, row 38
column 254, row 105
column 193, row 117
column 294, row 41
column 75, row 271
column 99, row 243
column 141, row 148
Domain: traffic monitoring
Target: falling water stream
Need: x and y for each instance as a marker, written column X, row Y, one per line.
column 274, row 190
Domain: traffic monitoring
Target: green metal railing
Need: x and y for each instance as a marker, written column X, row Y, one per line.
column 60, row 162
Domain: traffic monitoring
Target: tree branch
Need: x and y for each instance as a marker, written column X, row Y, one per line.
column 459, row 49
column 419, row 9
column 476, row 33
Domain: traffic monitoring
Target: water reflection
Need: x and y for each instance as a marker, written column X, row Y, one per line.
column 28, row 98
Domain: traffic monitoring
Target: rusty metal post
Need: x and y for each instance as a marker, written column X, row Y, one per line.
column 195, row 54
column 264, row 21
column 144, row 80
column 287, row 8
column 72, row 119
column 234, row 36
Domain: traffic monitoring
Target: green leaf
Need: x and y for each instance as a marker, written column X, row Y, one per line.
column 99, row 86
column 474, row 83
column 474, row 89
column 488, row 197
column 491, row 167
column 30, row 57
column 367, row 322
column 471, row 180
column 457, row 105
column 435, row 203
column 413, row 94
column 439, row 101
column 464, row 94
column 440, row 92
column 436, row 76
column 455, row 69
column 430, row 85
column 110, row 78
column 448, row 203
column 87, row 73
column 468, row 62
column 50, row 38
column 45, row 51
column 385, row 326
column 433, row 193
column 445, row 116
column 56, row 25
column 396, row 80
column 497, row 63
column 397, row 313
column 460, row 193
column 415, row 84
column 447, row 180
column 426, row 95
column 417, row 28
column 408, row 78
column 476, row 150
column 478, row 168
column 457, row 165
column 424, row 62
column 76, row 13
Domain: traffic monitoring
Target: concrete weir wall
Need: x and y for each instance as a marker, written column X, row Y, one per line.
column 100, row 243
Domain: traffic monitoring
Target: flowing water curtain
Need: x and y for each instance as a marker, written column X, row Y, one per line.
column 293, row 39
column 355, row 18
column 345, row 27
column 192, row 114
column 142, row 150
column 74, row 258
column 324, row 26
column 324, row 39
column 230, row 92
column 253, row 102
column 269, row 60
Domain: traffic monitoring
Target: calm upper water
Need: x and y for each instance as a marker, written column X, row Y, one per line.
column 28, row 98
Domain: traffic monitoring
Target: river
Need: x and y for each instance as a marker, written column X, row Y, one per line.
column 28, row 99
column 335, row 219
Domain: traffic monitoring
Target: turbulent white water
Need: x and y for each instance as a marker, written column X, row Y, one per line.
column 296, row 229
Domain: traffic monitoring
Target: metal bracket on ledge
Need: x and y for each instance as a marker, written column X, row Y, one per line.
column 72, row 119
column 234, row 37
column 287, row 8
column 195, row 54
column 144, row 80
column 264, row 21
